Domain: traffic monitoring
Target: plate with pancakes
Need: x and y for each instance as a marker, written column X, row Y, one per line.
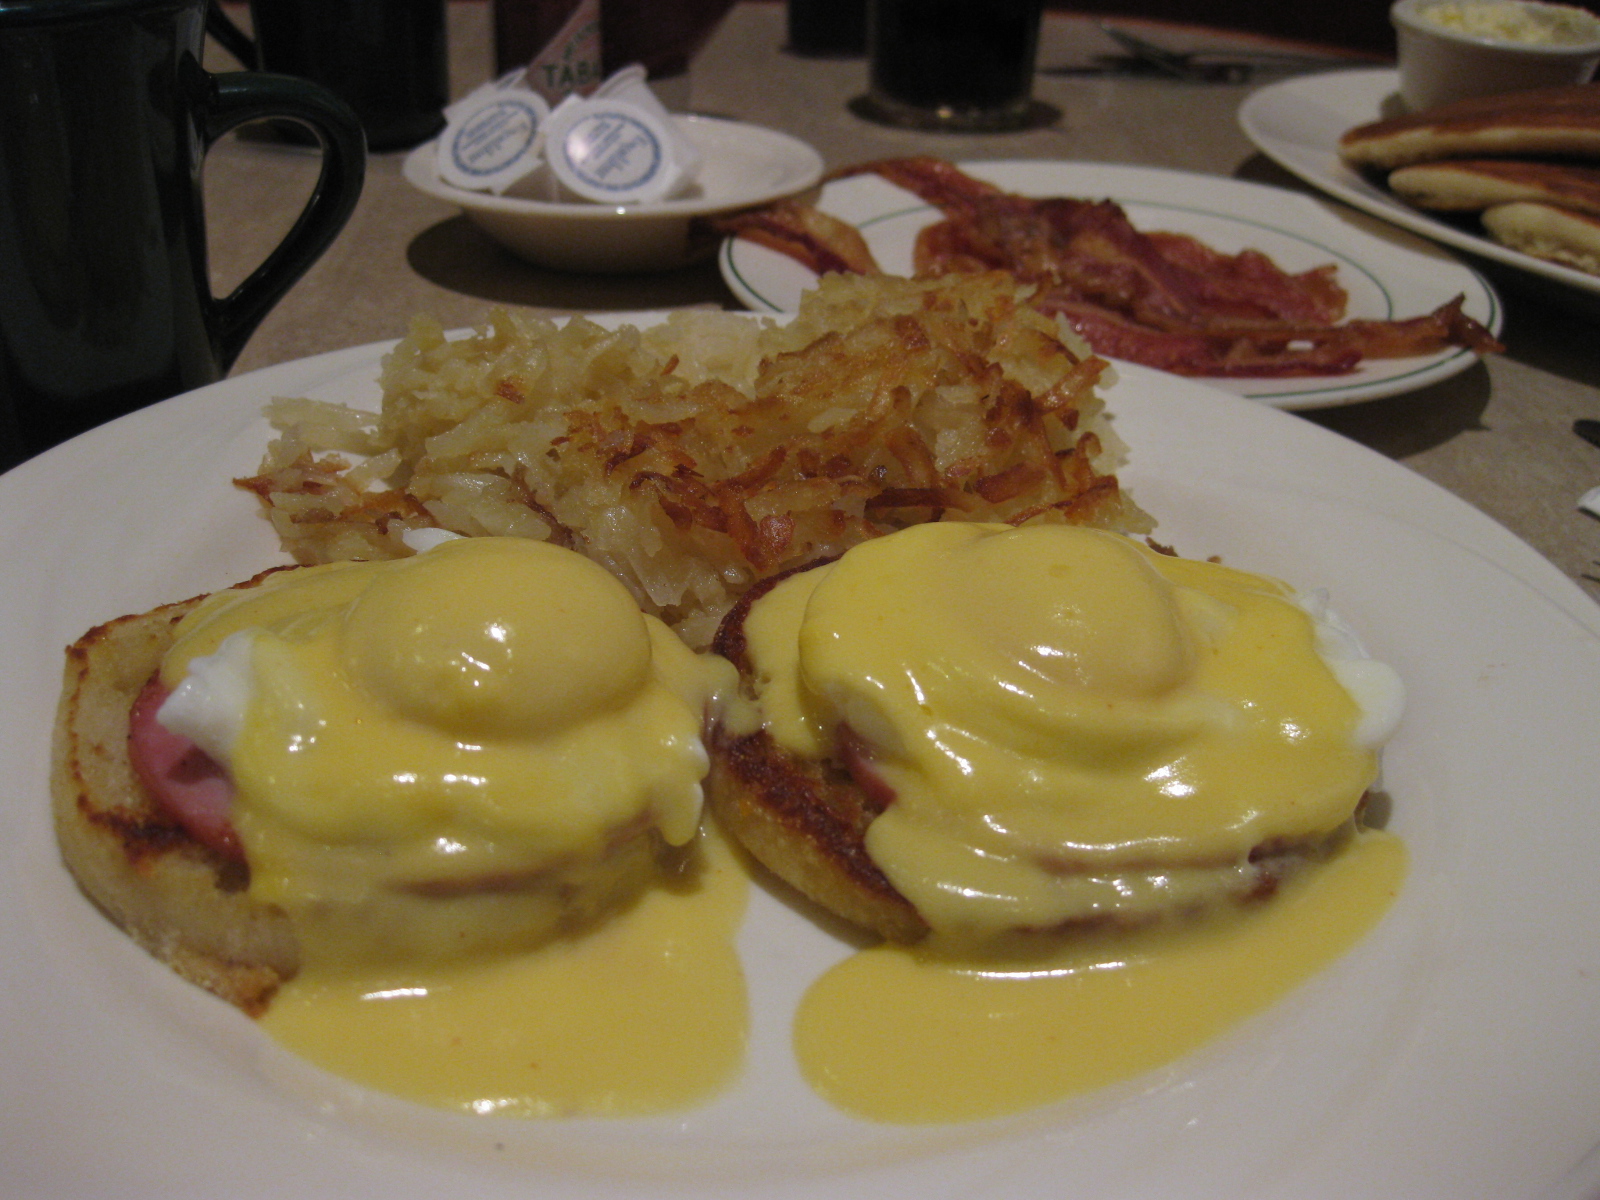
column 1445, row 1056
column 1540, row 197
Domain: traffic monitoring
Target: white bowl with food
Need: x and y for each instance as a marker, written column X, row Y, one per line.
column 1454, row 49
column 742, row 166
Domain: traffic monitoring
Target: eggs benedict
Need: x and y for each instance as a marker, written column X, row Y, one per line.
column 976, row 729
column 1102, row 803
column 473, row 749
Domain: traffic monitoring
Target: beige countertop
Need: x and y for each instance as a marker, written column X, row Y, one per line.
column 1498, row 435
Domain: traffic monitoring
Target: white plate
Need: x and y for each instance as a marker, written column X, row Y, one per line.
column 1297, row 123
column 743, row 165
column 1451, row 1056
column 1387, row 275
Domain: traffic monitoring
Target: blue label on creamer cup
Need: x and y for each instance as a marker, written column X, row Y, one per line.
column 613, row 151
column 495, row 137
column 492, row 138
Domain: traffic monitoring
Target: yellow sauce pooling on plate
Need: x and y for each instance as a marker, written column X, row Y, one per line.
column 644, row 1013
column 907, row 1034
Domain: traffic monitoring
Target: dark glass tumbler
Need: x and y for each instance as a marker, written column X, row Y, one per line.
column 952, row 64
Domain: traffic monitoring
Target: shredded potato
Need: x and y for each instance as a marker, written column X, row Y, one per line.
column 697, row 456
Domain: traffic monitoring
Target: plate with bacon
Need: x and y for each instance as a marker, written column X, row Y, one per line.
column 1269, row 294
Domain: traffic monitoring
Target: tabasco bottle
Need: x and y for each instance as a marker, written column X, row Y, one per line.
column 557, row 40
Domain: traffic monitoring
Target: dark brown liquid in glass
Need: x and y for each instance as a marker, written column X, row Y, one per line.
column 954, row 53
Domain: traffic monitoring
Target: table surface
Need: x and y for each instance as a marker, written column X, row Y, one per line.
column 1499, row 435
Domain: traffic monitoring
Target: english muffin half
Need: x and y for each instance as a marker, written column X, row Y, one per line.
column 184, row 902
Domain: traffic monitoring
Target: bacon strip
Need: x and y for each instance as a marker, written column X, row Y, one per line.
column 806, row 234
column 1163, row 299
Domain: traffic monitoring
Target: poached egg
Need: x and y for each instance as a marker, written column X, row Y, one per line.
column 471, row 778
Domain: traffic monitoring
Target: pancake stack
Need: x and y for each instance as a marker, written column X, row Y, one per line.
column 1527, row 164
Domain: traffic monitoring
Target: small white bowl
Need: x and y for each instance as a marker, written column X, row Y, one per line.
column 744, row 165
column 1439, row 64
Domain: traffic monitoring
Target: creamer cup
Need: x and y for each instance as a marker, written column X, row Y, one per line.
column 614, row 151
column 493, row 137
column 630, row 84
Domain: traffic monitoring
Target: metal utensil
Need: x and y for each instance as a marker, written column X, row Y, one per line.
column 1211, row 65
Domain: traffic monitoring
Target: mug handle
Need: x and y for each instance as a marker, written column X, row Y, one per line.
column 233, row 99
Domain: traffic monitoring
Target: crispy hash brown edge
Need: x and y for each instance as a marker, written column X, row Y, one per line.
column 887, row 406
column 182, row 902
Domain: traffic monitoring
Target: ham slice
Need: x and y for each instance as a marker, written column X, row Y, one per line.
column 190, row 786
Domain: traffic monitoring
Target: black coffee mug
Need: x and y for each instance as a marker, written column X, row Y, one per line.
column 387, row 59
column 105, row 301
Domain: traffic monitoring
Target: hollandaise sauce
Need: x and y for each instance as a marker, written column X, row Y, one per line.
column 644, row 1013
column 1074, row 732
column 460, row 775
column 1071, row 724
column 913, row 1035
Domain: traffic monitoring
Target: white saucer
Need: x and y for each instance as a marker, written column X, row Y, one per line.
column 744, row 165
